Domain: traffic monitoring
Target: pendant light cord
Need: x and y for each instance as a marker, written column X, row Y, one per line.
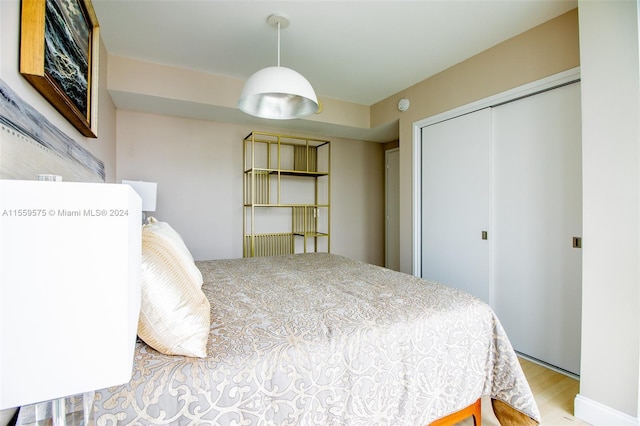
column 278, row 43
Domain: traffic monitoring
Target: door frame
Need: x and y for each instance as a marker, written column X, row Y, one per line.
column 547, row 83
column 386, row 202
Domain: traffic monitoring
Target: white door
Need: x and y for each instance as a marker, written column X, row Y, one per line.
column 392, row 202
column 456, row 168
column 537, row 212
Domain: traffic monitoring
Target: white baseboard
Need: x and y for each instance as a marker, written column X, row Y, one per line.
column 599, row 414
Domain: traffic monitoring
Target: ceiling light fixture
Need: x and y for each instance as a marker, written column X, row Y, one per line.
column 278, row 93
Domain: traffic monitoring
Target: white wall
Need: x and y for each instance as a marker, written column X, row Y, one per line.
column 610, row 377
column 198, row 167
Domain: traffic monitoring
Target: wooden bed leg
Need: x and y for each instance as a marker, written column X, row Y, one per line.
column 474, row 410
column 508, row 416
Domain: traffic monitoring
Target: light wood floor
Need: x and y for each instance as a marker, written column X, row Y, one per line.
column 554, row 393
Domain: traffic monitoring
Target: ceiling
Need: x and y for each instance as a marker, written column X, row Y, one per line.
column 355, row 51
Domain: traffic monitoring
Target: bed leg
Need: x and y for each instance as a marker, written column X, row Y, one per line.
column 477, row 413
column 508, row 416
column 474, row 410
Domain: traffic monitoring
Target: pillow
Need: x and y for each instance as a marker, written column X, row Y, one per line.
column 163, row 230
column 175, row 313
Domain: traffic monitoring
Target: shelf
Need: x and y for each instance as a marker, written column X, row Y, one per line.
column 311, row 234
column 286, row 205
column 288, row 172
column 294, row 169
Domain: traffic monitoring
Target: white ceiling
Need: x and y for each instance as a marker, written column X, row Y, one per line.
column 356, row 51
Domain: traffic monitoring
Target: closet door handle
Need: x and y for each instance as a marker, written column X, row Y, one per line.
column 485, row 235
column 577, row 242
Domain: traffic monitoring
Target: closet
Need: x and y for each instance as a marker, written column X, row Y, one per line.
column 502, row 216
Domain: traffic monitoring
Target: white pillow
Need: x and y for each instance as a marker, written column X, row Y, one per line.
column 155, row 229
column 175, row 313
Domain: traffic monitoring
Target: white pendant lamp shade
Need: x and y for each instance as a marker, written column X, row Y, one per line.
column 278, row 93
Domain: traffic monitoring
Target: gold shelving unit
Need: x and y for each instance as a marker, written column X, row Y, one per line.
column 287, row 193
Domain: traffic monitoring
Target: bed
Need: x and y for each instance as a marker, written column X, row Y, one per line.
column 325, row 340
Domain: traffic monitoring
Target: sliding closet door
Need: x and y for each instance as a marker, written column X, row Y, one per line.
column 456, row 169
column 537, row 212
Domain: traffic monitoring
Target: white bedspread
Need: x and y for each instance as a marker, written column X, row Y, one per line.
column 319, row 339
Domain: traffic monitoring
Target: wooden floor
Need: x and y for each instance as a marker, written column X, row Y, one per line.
column 554, row 393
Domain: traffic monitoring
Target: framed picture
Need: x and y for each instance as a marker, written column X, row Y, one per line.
column 59, row 46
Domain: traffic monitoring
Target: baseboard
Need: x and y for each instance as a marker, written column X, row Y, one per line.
column 549, row 366
column 599, row 414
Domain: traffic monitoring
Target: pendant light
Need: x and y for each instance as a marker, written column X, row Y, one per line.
column 278, row 93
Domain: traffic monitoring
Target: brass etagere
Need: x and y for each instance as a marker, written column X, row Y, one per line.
column 287, row 193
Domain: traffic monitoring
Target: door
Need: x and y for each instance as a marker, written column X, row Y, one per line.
column 537, row 212
column 392, row 202
column 456, row 171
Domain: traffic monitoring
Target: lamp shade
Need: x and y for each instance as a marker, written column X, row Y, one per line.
column 147, row 191
column 278, row 93
column 70, row 262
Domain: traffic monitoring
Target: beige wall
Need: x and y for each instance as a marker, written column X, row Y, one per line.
column 143, row 86
column 104, row 146
column 197, row 162
column 540, row 52
column 198, row 167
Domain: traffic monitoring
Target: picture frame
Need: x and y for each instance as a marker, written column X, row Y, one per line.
column 59, row 49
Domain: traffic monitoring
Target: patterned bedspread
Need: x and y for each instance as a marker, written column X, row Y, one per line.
column 319, row 339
